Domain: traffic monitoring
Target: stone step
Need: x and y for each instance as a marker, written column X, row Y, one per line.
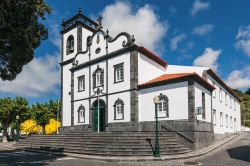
column 112, row 142
column 103, row 145
column 117, row 153
column 106, row 143
column 97, row 136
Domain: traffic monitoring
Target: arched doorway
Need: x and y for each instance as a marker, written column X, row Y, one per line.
column 101, row 115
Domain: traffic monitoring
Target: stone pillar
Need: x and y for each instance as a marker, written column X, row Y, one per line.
column 133, row 85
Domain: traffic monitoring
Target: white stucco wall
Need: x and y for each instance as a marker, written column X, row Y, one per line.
column 81, row 94
column 66, row 98
column 121, row 86
column 226, row 109
column 178, row 101
column 198, row 102
column 148, row 69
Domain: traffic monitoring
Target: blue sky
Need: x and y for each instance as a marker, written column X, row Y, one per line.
column 191, row 32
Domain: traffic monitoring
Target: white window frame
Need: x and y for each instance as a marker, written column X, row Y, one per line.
column 214, row 113
column 231, row 102
column 226, row 120
column 98, row 78
column 81, row 83
column 234, row 105
column 221, row 119
column 81, row 114
column 231, row 121
column 220, row 94
column 214, row 92
column 226, row 102
column 119, row 110
column 163, row 107
column 118, row 73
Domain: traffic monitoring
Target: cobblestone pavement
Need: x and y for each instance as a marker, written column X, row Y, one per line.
column 235, row 153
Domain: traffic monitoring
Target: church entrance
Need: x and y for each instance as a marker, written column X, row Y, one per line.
column 101, row 115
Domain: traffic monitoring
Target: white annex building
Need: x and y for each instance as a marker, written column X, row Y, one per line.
column 109, row 82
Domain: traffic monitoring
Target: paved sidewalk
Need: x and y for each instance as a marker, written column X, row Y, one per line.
column 10, row 145
column 193, row 154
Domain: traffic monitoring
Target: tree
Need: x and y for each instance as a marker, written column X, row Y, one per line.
column 248, row 91
column 9, row 108
column 43, row 112
column 21, row 31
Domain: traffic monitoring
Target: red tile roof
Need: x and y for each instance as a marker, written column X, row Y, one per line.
column 166, row 78
column 217, row 78
column 152, row 56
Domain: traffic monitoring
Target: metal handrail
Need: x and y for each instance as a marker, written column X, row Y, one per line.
column 172, row 129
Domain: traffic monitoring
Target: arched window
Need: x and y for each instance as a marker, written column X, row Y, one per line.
column 81, row 114
column 70, row 45
column 98, row 77
column 162, row 107
column 119, row 110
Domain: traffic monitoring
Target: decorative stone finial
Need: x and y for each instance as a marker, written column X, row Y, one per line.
column 80, row 10
column 99, row 22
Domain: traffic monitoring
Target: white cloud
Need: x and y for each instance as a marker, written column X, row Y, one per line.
column 176, row 40
column 203, row 29
column 40, row 76
column 199, row 6
column 208, row 59
column 143, row 23
column 243, row 39
column 239, row 79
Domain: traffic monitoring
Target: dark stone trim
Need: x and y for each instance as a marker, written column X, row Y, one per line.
column 75, row 25
column 106, row 57
column 72, row 98
column 191, row 100
column 107, row 85
column 92, row 97
column 62, row 81
column 134, row 107
column 67, row 61
column 90, row 111
column 79, row 38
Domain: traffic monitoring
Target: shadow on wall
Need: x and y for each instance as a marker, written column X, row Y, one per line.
column 240, row 153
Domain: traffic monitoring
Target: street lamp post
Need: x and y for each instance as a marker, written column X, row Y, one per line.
column 157, row 145
column 17, row 128
column 98, row 111
column 57, row 116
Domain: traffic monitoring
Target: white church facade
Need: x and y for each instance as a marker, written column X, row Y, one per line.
column 108, row 84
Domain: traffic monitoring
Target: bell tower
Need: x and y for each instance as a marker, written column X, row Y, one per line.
column 74, row 33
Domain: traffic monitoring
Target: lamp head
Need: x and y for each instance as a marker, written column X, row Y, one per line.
column 156, row 100
column 17, row 117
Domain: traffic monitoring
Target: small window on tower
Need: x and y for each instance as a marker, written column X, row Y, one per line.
column 70, row 45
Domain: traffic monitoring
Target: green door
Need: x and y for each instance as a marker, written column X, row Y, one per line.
column 101, row 118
